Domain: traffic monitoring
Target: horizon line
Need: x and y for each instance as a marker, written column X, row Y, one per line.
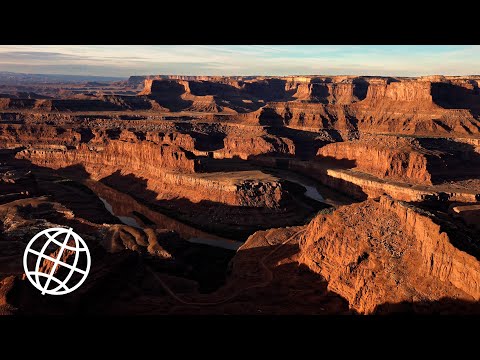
column 238, row 75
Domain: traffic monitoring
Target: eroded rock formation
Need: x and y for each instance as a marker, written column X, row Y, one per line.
column 387, row 252
column 152, row 177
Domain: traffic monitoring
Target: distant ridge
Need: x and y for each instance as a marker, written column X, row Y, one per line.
column 7, row 77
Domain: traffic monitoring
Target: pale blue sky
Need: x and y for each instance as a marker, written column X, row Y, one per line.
column 123, row 60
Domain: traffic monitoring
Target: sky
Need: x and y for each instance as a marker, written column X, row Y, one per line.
column 127, row 60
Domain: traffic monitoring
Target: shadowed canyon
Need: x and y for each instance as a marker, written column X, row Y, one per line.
column 247, row 195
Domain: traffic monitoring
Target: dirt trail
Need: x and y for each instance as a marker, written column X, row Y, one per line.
column 268, row 280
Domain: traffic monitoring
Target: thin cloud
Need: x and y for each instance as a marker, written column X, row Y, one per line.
column 123, row 60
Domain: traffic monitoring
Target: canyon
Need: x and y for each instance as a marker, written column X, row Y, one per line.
column 247, row 195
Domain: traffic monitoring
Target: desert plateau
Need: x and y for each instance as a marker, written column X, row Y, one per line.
column 246, row 195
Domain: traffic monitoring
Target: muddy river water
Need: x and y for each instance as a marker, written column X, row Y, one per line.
column 132, row 213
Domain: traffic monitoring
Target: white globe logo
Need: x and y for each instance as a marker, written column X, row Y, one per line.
column 57, row 275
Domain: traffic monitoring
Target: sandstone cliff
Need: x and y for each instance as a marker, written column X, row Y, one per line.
column 379, row 105
column 159, row 166
column 236, row 146
column 387, row 252
column 411, row 160
column 13, row 135
column 101, row 103
column 113, row 156
column 361, row 185
column 404, row 91
column 392, row 157
column 436, row 105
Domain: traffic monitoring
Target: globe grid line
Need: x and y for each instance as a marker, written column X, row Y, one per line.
column 80, row 246
column 64, row 264
column 55, row 263
column 54, row 279
column 60, row 244
column 70, row 231
column 44, row 248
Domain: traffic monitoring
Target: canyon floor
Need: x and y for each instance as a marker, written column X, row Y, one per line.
column 255, row 195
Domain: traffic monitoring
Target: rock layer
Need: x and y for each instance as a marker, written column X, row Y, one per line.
column 139, row 173
column 387, row 252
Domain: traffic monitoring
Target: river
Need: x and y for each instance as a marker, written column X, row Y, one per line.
column 120, row 205
column 312, row 192
column 124, row 219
